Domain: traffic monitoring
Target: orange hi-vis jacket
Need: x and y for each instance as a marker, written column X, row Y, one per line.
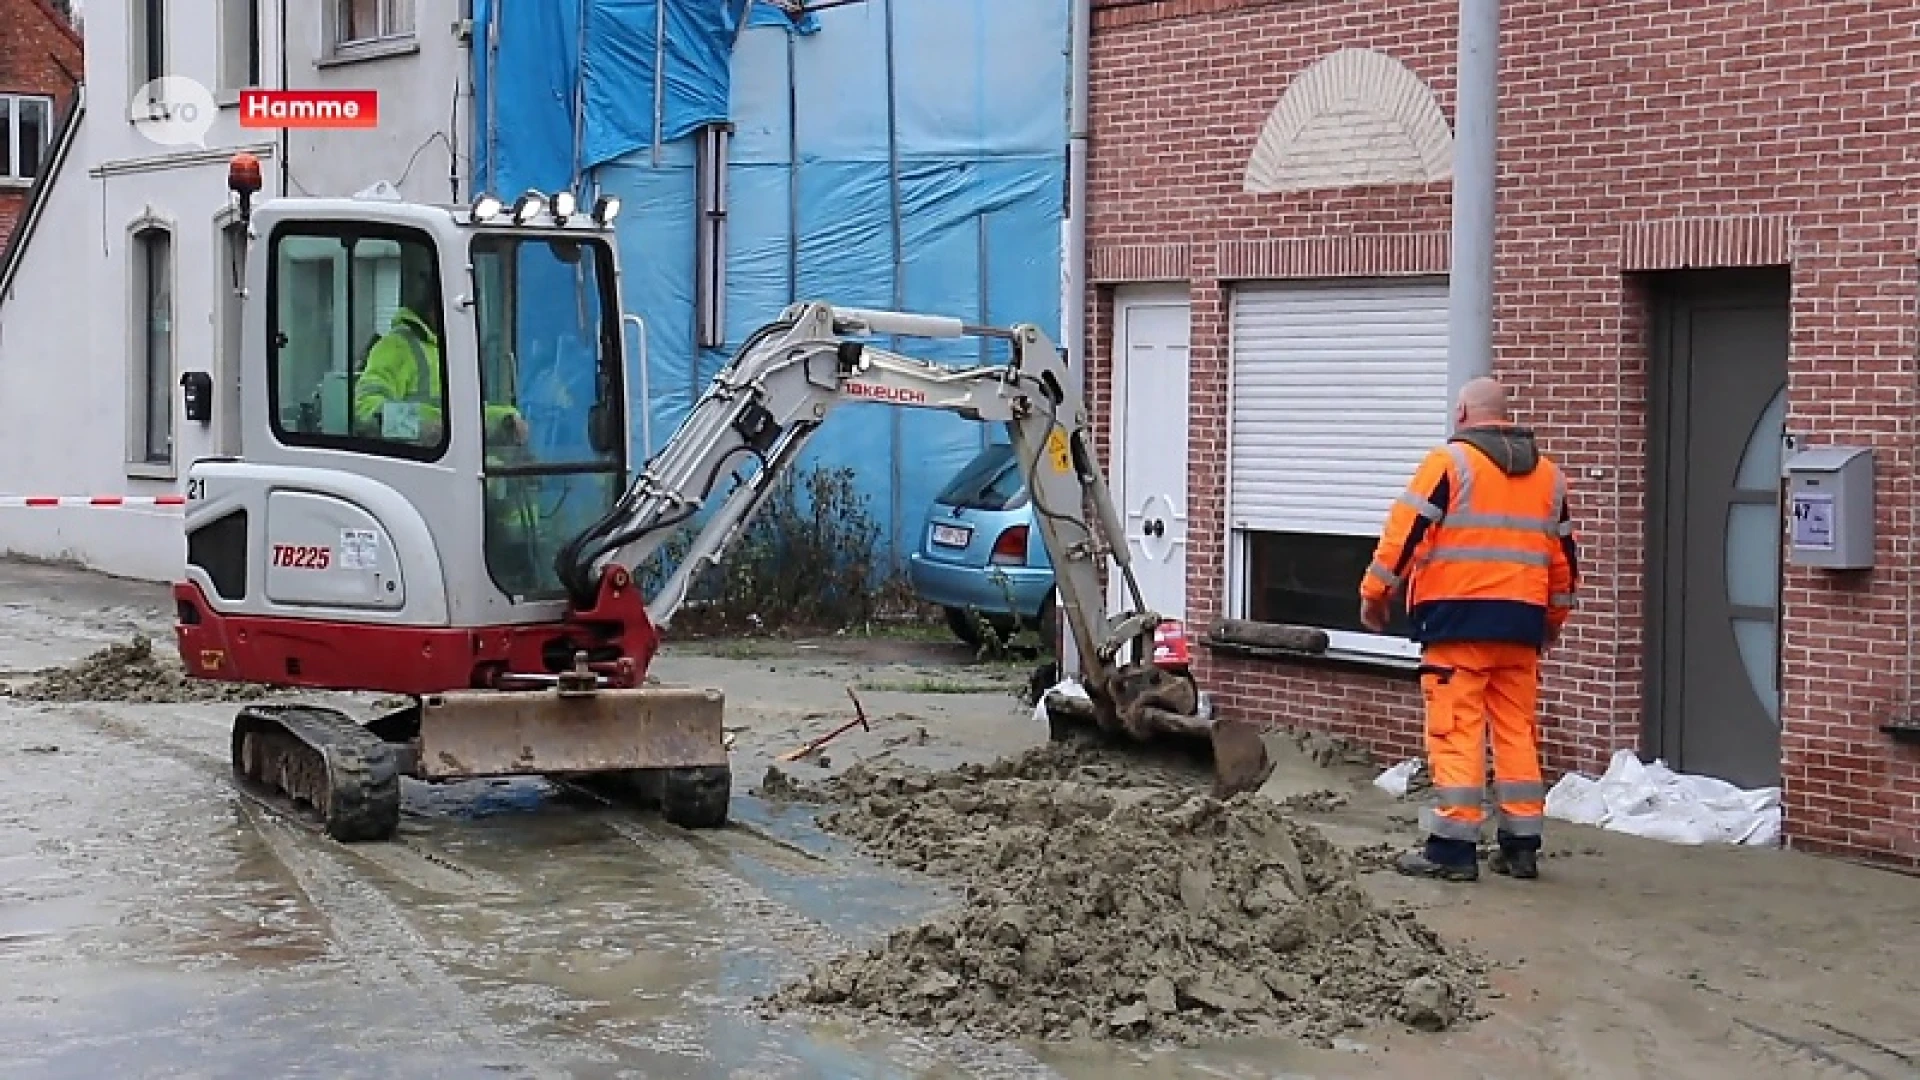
column 1484, row 542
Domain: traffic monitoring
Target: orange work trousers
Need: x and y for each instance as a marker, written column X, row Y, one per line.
column 1468, row 684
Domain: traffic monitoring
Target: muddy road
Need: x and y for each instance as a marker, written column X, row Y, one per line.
column 153, row 924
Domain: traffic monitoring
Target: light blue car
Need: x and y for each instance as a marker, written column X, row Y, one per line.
column 980, row 552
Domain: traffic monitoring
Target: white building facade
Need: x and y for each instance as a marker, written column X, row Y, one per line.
column 127, row 281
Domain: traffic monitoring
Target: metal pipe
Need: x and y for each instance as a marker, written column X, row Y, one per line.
column 1073, row 311
column 793, row 175
column 582, row 11
column 1476, row 140
column 710, row 236
column 646, row 393
column 286, row 142
column 660, row 80
column 491, row 178
column 896, row 437
column 1073, row 316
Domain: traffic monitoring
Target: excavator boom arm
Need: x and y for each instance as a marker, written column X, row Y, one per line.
column 780, row 387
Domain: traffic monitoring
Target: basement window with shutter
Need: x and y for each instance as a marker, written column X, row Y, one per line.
column 1339, row 389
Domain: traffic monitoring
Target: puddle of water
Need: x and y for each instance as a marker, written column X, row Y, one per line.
column 89, row 1021
column 50, row 915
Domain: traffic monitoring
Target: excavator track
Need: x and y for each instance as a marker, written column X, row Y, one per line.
column 317, row 767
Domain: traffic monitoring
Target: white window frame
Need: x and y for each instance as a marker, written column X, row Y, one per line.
column 140, row 382
column 1383, row 650
column 398, row 32
column 11, row 106
column 238, row 54
column 145, row 18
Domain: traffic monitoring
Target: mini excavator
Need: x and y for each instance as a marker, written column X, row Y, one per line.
column 416, row 519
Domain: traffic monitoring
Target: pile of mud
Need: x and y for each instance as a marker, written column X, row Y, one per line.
column 131, row 672
column 1095, row 909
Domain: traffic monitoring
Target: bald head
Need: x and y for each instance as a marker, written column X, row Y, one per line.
column 1482, row 401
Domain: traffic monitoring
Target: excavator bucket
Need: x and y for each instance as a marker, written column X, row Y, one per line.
column 1140, row 716
column 1240, row 759
column 1159, row 701
column 484, row 733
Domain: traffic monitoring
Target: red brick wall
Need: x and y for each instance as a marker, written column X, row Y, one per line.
column 1793, row 114
column 39, row 54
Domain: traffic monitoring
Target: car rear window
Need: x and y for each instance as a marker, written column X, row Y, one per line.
column 991, row 481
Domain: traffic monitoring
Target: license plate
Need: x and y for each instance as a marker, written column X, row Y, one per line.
column 952, row 535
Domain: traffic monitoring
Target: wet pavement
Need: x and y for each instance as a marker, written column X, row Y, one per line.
column 153, row 923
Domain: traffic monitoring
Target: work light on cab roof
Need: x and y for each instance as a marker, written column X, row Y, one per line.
column 561, row 207
column 528, row 206
column 485, row 208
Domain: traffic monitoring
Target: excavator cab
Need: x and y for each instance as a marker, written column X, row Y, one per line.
column 431, row 479
column 393, row 519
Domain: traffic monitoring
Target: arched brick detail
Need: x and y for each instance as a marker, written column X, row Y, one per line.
column 1355, row 117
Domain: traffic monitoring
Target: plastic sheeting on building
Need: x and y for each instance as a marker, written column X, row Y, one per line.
column 888, row 153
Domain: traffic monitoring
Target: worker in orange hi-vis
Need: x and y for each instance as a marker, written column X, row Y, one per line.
column 1484, row 543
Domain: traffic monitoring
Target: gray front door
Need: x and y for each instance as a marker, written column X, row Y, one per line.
column 1716, row 406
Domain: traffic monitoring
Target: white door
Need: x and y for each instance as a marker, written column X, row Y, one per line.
column 1150, row 423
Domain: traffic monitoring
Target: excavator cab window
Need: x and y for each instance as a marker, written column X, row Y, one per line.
column 553, row 400
column 355, row 358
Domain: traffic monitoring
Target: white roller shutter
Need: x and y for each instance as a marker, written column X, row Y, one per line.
column 1339, row 389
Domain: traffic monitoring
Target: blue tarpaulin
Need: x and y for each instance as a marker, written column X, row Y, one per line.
column 889, row 153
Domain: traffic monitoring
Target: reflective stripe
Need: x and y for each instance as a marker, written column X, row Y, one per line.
column 1503, row 521
column 1564, row 529
column 422, row 370
column 1484, row 554
column 1521, row 825
column 1448, row 828
column 1459, row 796
column 1519, row 790
column 1379, row 572
column 1563, row 600
column 1421, row 506
column 1464, row 468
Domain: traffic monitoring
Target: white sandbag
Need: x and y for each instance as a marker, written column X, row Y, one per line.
column 1578, row 799
column 1066, row 688
column 1395, row 780
column 1653, row 801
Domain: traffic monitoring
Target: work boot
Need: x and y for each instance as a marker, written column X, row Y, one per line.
column 1520, row 863
column 1416, row 864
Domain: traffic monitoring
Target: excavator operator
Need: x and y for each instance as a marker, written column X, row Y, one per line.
column 1484, row 542
column 403, row 370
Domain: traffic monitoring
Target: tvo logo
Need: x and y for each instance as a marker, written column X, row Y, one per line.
column 173, row 111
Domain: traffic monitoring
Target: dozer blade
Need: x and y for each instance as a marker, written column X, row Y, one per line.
column 473, row 733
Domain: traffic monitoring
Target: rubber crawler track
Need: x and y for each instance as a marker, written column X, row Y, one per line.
column 359, row 771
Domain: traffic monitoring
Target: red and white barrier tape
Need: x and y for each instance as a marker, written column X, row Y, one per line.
column 92, row 500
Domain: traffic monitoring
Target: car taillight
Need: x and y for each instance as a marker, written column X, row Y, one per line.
column 1011, row 548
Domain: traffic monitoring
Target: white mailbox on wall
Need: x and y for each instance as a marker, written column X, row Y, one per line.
column 1830, row 508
